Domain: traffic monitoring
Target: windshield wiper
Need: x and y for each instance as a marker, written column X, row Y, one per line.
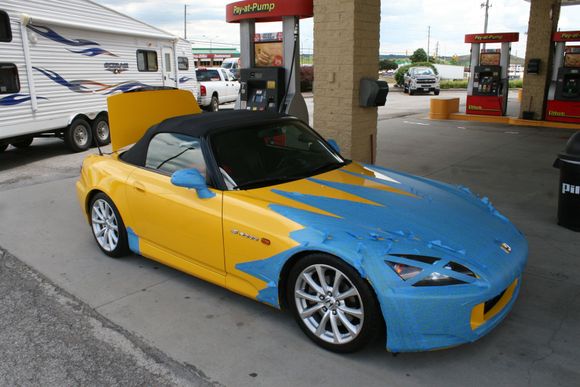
column 325, row 168
column 267, row 181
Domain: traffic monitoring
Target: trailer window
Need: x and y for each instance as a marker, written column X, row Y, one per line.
column 9, row 82
column 147, row 60
column 183, row 63
column 5, row 31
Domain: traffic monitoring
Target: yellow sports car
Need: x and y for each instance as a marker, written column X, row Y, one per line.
column 260, row 204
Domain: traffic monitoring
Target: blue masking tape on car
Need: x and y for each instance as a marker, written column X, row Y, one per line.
column 431, row 222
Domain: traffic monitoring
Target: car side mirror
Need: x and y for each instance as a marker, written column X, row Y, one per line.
column 334, row 145
column 192, row 179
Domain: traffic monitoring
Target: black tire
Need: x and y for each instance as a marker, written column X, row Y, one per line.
column 332, row 308
column 79, row 135
column 411, row 92
column 100, row 130
column 405, row 91
column 436, row 92
column 3, row 147
column 22, row 144
column 97, row 206
column 214, row 105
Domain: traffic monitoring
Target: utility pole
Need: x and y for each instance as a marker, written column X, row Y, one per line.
column 428, row 43
column 185, row 21
column 487, row 6
column 437, row 51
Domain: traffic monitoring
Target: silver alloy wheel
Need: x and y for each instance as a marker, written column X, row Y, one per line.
column 81, row 135
column 105, row 225
column 102, row 131
column 329, row 304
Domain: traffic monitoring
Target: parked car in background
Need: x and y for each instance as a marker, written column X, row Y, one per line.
column 216, row 86
column 421, row 79
column 232, row 64
column 59, row 64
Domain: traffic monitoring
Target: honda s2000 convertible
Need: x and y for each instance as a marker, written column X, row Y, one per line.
column 262, row 205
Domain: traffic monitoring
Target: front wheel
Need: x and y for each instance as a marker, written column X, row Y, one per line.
column 108, row 227
column 437, row 92
column 332, row 304
column 78, row 136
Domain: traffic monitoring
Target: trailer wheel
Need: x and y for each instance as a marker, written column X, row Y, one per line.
column 3, row 147
column 101, row 131
column 78, row 136
column 22, row 144
column 214, row 105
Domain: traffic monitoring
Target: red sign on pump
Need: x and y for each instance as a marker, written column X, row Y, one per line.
column 500, row 37
column 268, row 10
column 566, row 36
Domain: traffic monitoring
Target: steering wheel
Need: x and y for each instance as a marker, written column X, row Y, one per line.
column 289, row 162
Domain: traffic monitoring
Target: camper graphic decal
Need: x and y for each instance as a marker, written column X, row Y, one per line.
column 52, row 35
column 16, row 99
column 93, row 52
column 90, row 87
column 182, row 79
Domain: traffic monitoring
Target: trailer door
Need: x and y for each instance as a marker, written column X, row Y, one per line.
column 169, row 78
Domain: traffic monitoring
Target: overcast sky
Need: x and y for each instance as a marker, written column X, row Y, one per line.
column 404, row 23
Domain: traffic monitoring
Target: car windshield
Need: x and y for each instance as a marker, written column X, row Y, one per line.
column 422, row 71
column 262, row 156
column 204, row 75
column 227, row 65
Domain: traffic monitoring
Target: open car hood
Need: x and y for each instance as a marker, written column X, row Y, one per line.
column 131, row 114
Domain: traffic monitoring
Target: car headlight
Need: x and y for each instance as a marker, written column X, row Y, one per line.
column 407, row 272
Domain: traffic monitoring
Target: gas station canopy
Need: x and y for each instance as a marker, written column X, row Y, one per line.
column 567, row 2
column 268, row 11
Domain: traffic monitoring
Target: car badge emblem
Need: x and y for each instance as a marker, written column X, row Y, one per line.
column 506, row 248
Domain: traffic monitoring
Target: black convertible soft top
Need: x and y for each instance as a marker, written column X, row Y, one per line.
column 200, row 126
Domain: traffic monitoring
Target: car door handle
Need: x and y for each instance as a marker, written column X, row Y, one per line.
column 139, row 186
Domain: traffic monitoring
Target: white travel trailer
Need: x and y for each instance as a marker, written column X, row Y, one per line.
column 60, row 59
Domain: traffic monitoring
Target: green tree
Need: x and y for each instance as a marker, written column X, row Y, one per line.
column 454, row 60
column 419, row 56
column 388, row 64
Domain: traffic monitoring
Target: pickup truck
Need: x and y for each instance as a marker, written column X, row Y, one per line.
column 421, row 79
column 216, row 86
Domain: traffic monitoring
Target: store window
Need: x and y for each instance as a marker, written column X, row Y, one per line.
column 147, row 60
column 183, row 63
column 9, row 82
column 5, row 30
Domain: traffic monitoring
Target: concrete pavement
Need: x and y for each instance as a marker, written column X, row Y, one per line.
column 50, row 338
column 239, row 342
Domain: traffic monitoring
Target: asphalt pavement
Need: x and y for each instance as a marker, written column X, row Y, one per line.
column 199, row 333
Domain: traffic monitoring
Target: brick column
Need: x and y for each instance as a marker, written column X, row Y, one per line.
column 544, row 16
column 346, row 49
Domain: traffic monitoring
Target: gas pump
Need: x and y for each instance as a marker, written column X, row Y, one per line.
column 270, row 64
column 487, row 91
column 564, row 93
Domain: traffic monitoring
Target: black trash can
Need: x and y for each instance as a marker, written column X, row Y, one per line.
column 569, row 197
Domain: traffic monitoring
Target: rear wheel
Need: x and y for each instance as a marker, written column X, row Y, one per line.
column 108, row 227
column 214, row 105
column 78, row 136
column 100, row 130
column 332, row 304
column 3, row 147
column 22, row 144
